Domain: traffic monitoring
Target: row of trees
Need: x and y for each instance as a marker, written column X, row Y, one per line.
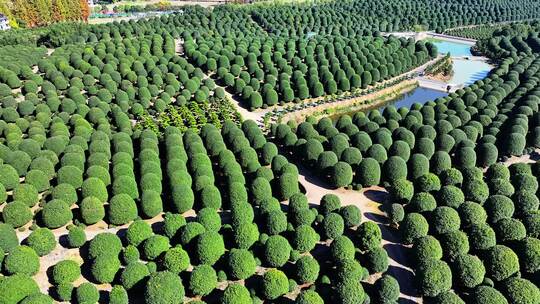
column 44, row 12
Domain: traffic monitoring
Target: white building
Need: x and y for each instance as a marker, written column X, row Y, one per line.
column 4, row 23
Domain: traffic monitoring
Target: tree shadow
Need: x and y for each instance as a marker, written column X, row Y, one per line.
column 377, row 218
column 405, row 301
column 406, row 280
column 378, row 196
column 398, row 253
column 390, row 234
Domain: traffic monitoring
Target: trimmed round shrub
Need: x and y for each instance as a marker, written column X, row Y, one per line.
column 422, row 202
column 307, row 270
column 104, row 244
column 476, row 190
column 210, row 197
column 92, row 210
column 486, row 295
column 86, row 293
column 241, row 264
column 434, row 277
column 9, row 177
column 172, row 223
column 104, row 268
column 509, row 229
column 395, row 213
column 309, row 296
column 444, row 220
column 401, row 190
column 452, row 177
column 342, row 248
column 154, row 246
column 276, row 251
column 275, row 222
column 501, row 262
column 376, row 260
column 451, row 196
column 501, row 186
column 66, row 271
column 427, row 183
column 287, row 186
column 394, row 168
column 134, row 275
column 525, row 202
column 130, row 254
column 16, row 214
column 369, row 236
column 21, row 260
column 66, row 193
column 413, row 226
column 176, row 260
column 368, row 172
column 499, row 207
column 203, row 280
column 351, row 215
column 274, row 284
column 329, row 203
column 481, row 237
column 427, row 247
column 304, row 238
column 17, row 287
column 118, row 295
column 38, row 298
column 209, row 247
column 333, row 226
column 340, row 175
column 26, row 193
column 55, row 214
column 529, row 254
column 236, row 294
column 515, row 144
column 469, row 270
column 64, row 292
column 96, row 188
column 70, row 175
column 122, row 209
column 518, row 290
column 42, row 240
column 164, row 288
column 350, row 292
column 454, row 243
column 386, row 290
column 138, row 232
column 76, row 237
column 472, row 213
column 8, row 238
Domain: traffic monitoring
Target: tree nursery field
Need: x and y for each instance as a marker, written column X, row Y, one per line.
column 129, row 175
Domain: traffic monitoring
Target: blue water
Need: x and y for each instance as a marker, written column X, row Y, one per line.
column 455, row 49
column 468, row 71
column 419, row 95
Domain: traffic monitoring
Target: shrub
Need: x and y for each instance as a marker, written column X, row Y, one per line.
column 529, row 254
column 434, row 277
column 274, row 284
column 401, row 190
column 66, row 271
column 276, row 251
column 138, row 232
column 427, row 247
column 56, row 213
column 17, row 287
column 260, row 190
column 509, row 229
column 454, row 243
column 288, row 185
column 275, row 222
column 444, row 220
column 241, row 264
column 210, row 197
column 130, row 254
column 92, row 210
column 133, row 275
column 368, row 172
column 203, row 280
column 341, row 175
column 26, row 194
column 427, row 183
column 164, row 288
column 501, row 186
column 350, row 292
column 499, row 207
column 125, row 184
column 38, row 298
column 422, row 202
column 307, row 270
column 518, row 290
column 154, row 246
column 329, row 203
column 309, row 296
column 95, row 187
column 369, row 236
column 118, row 295
column 86, row 293
column 304, row 238
column 22, row 260
column 472, row 213
column 172, row 223
column 376, row 260
column 70, row 175
column 525, row 202
column 386, row 290
column 42, row 241
column 176, row 260
column 418, row 165
column 209, row 247
column 351, row 215
column 8, row 238
column 236, row 294
column 122, row 209
column 348, row 271
column 333, row 226
column 515, row 144
column 476, row 190
column 451, row 196
column 66, row 193
column 64, row 292
column 468, row 270
column 104, row 244
column 501, row 262
column 16, row 214
column 413, row 226
column 104, row 268
column 76, row 237
column 394, row 168
column 9, row 177
column 452, row 177
column 482, row 237
column 486, row 295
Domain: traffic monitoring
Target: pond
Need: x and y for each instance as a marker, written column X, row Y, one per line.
column 418, row 95
column 455, row 49
column 468, row 71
